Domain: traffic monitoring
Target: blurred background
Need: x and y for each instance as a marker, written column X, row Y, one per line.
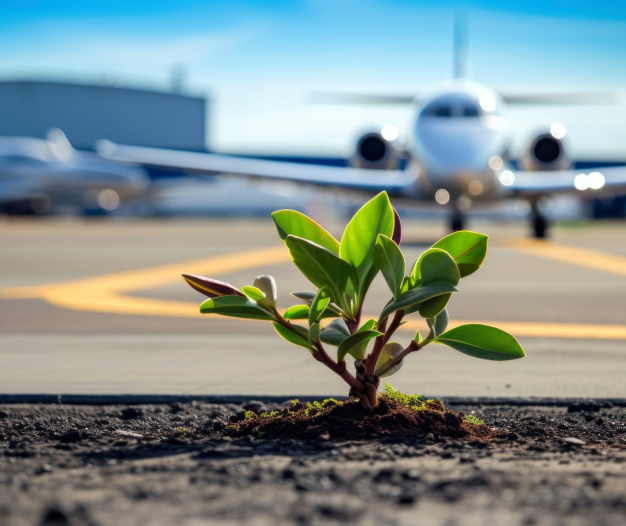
column 237, row 77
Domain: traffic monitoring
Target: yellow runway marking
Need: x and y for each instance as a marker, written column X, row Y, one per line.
column 579, row 257
column 521, row 329
column 108, row 293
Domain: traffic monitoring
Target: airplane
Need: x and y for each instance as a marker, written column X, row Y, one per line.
column 36, row 174
column 458, row 155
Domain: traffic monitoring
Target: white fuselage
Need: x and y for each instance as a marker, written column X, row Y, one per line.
column 32, row 167
column 459, row 128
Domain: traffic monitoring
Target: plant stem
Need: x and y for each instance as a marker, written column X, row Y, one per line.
column 395, row 323
column 321, row 356
column 339, row 368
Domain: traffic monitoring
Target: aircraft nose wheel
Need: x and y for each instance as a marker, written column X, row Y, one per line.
column 458, row 222
column 540, row 223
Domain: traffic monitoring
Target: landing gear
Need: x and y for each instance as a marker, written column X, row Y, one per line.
column 458, row 221
column 539, row 221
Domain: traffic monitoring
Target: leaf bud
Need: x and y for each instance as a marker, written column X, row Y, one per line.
column 397, row 228
column 211, row 287
column 267, row 285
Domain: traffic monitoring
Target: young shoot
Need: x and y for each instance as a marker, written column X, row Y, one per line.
column 341, row 273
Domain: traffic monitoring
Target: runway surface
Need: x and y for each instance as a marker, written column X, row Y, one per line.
column 98, row 307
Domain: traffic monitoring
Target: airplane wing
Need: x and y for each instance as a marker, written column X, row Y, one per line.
column 329, row 97
column 562, row 99
column 607, row 97
column 531, row 184
column 393, row 181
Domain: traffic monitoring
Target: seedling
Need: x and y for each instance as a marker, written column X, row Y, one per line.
column 342, row 273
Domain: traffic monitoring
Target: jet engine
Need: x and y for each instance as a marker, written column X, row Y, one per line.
column 545, row 152
column 374, row 152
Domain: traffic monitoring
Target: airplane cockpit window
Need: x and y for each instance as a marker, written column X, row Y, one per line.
column 443, row 111
column 470, row 111
column 440, row 109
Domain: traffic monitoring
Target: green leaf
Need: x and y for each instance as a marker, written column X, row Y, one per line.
column 331, row 311
column 367, row 326
column 433, row 307
column 235, row 307
column 353, row 342
column 433, row 265
column 290, row 222
column 468, row 249
column 323, row 268
column 314, row 332
column 297, row 312
column 365, row 284
column 292, row 337
column 406, row 284
column 482, row 341
column 439, row 323
column 359, row 238
column 390, row 260
column 335, row 332
column 253, row 293
column 417, row 295
column 418, row 337
column 319, row 304
column 306, row 296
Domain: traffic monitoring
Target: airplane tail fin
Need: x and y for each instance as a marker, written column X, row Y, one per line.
column 59, row 144
column 461, row 51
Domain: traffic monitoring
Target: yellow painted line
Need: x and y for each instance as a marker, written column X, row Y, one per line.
column 576, row 256
column 108, row 293
column 539, row 329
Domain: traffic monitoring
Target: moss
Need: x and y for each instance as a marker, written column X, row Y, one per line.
column 269, row 415
column 416, row 402
column 474, row 420
column 257, row 432
column 249, row 415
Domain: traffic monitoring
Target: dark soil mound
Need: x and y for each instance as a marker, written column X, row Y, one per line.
column 350, row 421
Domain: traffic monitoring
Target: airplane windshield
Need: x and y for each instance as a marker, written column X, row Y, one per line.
column 449, row 110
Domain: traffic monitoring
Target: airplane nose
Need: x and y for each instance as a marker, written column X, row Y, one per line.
column 457, row 146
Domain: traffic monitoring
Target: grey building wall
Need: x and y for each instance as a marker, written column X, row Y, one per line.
column 88, row 113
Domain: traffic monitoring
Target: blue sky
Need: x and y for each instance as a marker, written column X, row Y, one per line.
column 259, row 60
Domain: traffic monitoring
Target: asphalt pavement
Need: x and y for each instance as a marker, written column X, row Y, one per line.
column 98, row 307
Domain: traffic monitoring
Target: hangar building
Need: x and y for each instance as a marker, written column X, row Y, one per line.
column 87, row 113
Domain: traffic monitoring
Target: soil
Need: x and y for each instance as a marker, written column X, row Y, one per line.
column 173, row 464
column 348, row 420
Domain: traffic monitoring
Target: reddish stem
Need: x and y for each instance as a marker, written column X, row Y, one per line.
column 339, row 368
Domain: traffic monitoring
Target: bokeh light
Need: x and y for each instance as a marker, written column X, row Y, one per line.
column 442, row 196
column 389, row 132
column 507, row 178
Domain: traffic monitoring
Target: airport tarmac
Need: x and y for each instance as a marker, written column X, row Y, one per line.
column 98, row 307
